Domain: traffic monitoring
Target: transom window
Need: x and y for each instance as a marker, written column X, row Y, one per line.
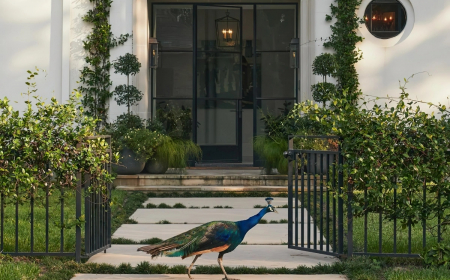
column 385, row 18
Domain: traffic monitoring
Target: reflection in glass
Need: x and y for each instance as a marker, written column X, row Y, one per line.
column 174, row 75
column 275, row 77
column 209, row 29
column 385, row 19
column 218, row 75
column 275, row 25
column 176, row 116
column 216, row 122
column 271, row 107
column 173, row 26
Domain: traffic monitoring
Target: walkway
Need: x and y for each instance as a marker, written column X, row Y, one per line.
column 265, row 245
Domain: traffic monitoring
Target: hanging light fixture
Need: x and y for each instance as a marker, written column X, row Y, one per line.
column 227, row 30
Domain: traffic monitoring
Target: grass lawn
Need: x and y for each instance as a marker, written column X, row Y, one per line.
column 54, row 225
column 387, row 232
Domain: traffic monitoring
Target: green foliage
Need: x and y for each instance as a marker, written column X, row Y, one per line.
column 127, row 94
column 127, row 65
column 324, row 65
column 95, row 77
column 164, row 206
column 323, row 92
column 18, row 270
column 438, row 255
column 343, row 40
column 121, row 240
column 392, row 147
column 141, row 141
column 177, row 152
column 176, row 121
column 46, row 146
column 179, row 205
column 271, row 150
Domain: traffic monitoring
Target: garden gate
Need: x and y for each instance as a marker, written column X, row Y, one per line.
column 320, row 221
column 312, row 175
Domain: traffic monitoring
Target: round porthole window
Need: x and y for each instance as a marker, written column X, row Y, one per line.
column 385, row 19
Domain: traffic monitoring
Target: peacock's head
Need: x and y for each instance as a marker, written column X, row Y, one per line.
column 269, row 207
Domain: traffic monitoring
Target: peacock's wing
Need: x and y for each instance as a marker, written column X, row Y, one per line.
column 209, row 237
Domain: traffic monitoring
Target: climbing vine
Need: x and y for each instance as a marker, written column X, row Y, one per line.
column 343, row 41
column 95, row 77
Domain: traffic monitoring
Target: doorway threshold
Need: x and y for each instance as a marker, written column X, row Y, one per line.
column 224, row 165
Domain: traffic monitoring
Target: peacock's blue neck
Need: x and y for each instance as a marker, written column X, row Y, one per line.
column 246, row 225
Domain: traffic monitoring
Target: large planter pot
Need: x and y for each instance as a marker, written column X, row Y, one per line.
column 154, row 166
column 129, row 163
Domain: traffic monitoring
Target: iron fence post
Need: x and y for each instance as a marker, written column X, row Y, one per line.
column 350, row 221
column 78, row 216
column 290, row 193
column 340, row 203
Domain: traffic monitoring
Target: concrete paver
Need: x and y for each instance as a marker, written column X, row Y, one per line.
column 269, row 256
column 207, row 277
column 201, row 216
column 235, row 202
column 260, row 234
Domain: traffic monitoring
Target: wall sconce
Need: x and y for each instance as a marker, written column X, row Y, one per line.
column 153, row 52
column 294, row 53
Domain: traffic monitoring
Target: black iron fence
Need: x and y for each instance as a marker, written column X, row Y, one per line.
column 58, row 223
column 322, row 221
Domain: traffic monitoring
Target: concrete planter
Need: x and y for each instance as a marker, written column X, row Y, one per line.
column 129, row 163
column 154, row 166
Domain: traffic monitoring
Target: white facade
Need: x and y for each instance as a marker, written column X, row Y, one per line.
column 49, row 33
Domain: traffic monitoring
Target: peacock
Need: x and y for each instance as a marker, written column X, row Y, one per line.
column 219, row 236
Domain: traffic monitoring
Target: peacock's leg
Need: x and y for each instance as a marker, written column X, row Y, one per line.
column 192, row 264
column 219, row 259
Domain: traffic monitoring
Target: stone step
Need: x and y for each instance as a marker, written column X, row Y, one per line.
column 269, row 256
column 178, row 188
column 211, row 202
column 201, row 216
column 243, row 178
column 206, row 277
column 260, row 234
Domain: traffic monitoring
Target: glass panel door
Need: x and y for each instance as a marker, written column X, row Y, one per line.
column 219, row 82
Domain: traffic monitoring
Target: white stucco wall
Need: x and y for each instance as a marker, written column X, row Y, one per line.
column 427, row 48
column 31, row 36
column 423, row 46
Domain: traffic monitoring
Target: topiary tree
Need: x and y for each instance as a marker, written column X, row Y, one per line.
column 127, row 94
column 324, row 65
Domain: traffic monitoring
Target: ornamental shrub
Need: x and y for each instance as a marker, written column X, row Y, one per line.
column 392, row 147
column 46, row 146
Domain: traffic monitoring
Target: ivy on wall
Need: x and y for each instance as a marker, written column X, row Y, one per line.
column 343, row 40
column 95, row 77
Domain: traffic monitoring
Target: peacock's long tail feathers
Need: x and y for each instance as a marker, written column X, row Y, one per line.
column 158, row 249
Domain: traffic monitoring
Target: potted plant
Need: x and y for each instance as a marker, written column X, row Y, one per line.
column 175, row 148
column 136, row 146
column 134, row 143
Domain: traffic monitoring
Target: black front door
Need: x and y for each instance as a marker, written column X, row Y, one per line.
column 218, row 82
